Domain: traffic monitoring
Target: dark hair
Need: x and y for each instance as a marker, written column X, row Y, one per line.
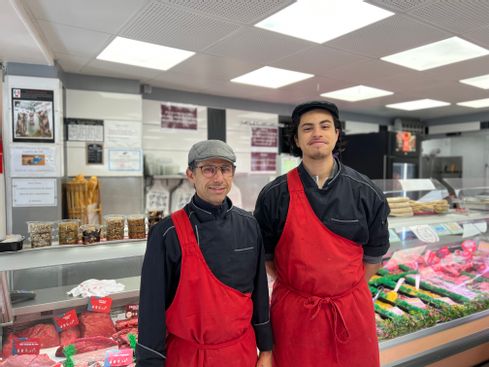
column 294, row 129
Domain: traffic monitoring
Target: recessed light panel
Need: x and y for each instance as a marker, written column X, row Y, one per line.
column 437, row 54
column 320, row 20
column 357, row 93
column 476, row 103
column 271, row 77
column 143, row 54
column 478, row 81
column 419, row 104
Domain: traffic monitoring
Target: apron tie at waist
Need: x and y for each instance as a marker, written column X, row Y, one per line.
column 339, row 325
column 218, row 345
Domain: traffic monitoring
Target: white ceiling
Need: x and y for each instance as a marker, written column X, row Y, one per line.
column 226, row 43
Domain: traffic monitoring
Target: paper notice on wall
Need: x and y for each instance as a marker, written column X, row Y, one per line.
column 123, row 134
column 34, row 192
column 33, row 162
column 264, row 137
column 125, row 160
column 84, row 129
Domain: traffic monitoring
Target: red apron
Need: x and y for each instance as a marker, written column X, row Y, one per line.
column 208, row 322
column 322, row 311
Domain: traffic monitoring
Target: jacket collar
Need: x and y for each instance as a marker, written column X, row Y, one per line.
column 309, row 182
column 205, row 211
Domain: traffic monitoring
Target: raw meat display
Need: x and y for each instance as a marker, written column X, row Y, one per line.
column 46, row 333
column 84, row 345
column 96, row 324
column 68, row 336
column 121, row 336
column 28, row 360
column 127, row 323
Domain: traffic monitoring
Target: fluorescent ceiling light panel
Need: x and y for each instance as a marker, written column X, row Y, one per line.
column 143, row 54
column 270, row 77
column 357, row 93
column 476, row 103
column 433, row 55
column 320, row 20
column 478, row 81
column 419, row 104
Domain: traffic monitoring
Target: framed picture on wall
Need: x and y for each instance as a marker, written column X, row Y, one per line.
column 32, row 115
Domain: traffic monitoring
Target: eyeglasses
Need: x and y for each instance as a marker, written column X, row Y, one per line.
column 209, row 171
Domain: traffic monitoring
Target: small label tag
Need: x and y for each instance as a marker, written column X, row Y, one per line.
column 100, row 304
column 65, row 321
column 26, row 346
column 132, row 310
column 118, row 358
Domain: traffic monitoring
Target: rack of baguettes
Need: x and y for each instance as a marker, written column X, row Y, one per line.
column 83, row 199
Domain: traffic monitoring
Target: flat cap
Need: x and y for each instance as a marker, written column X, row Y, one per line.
column 299, row 110
column 208, row 149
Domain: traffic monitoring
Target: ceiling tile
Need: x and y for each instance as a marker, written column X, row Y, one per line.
column 170, row 26
column 391, row 35
column 73, row 41
column 247, row 12
column 113, row 69
column 258, row 46
column 71, row 64
column 478, row 36
column 212, row 67
column 367, row 72
column 317, row 60
column 461, row 70
column 104, row 16
column 455, row 15
column 399, row 6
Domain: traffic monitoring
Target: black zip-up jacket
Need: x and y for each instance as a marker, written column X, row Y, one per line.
column 349, row 204
column 230, row 241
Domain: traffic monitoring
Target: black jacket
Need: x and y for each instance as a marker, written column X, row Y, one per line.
column 349, row 204
column 230, row 241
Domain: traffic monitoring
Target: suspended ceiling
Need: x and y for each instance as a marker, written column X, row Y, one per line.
column 227, row 45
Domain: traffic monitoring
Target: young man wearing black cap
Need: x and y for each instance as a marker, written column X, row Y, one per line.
column 324, row 227
column 204, row 292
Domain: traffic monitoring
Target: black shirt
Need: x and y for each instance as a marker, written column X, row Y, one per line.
column 230, row 241
column 349, row 204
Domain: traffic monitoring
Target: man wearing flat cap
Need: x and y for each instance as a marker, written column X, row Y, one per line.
column 324, row 228
column 204, row 291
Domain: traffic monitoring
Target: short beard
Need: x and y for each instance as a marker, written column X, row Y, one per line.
column 318, row 156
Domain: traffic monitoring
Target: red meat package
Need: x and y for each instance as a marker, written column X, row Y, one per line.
column 96, row 324
column 29, row 360
column 46, row 333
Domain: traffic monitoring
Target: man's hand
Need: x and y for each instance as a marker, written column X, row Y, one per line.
column 370, row 270
column 264, row 359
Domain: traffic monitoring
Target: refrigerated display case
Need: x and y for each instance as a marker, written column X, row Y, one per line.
column 432, row 294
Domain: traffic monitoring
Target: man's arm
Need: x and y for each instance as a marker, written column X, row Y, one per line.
column 151, row 326
column 370, row 270
column 261, row 303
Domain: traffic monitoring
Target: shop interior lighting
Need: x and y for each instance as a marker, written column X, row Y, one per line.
column 143, row 54
column 271, row 77
column 320, row 21
column 357, row 93
column 419, row 104
column 481, row 81
column 476, row 103
column 433, row 55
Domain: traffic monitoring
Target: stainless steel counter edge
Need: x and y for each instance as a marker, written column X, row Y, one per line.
column 70, row 254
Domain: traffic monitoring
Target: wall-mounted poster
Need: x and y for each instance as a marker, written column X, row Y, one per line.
column 178, row 116
column 84, row 129
column 32, row 115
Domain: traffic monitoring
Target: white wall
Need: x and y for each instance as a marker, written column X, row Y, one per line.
column 122, row 115
column 354, row 127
